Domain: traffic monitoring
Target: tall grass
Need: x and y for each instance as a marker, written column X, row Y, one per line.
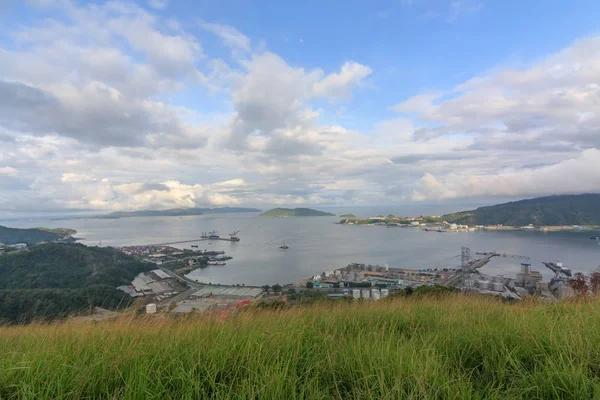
column 427, row 348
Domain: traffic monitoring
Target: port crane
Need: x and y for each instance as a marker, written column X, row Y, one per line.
column 234, row 236
column 470, row 265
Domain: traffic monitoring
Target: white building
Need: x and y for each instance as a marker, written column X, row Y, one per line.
column 151, row 308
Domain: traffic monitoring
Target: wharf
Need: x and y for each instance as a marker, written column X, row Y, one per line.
column 192, row 241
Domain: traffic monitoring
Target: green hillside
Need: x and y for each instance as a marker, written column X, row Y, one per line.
column 452, row 347
column 295, row 212
column 581, row 209
column 33, row 235
column 52, row 280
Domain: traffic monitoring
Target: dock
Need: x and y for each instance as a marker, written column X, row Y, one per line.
column 192, row 241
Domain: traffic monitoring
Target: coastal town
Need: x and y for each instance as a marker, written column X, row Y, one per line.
column 439, row 224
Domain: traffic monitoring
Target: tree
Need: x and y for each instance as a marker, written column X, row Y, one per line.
column 595, row 282
column 291, row 290
column 277, row 288
column 579, row 284
column 309, row 285
column 266, row 288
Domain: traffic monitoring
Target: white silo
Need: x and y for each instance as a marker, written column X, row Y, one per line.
column 375, row 292
column 484, row 285
column 385, row 292
column 376, row 295
column 366, row 294
column 498, row 287
column 356, row 294
column 151, row 308
column 387, row 267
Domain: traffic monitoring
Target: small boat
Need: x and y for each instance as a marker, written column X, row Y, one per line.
column 195, row 246
column 284, row 246
column 594, row 238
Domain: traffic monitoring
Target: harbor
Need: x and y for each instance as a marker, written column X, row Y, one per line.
column 466, row 277
column 169, row 288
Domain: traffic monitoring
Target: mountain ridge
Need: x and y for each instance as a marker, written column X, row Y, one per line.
column 176, row 212
column 581, row 209
column 295, row 212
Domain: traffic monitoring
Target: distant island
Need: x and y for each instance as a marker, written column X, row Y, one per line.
column 177, row 212
column 295, row 212
column 35, row 235
column 583, row 209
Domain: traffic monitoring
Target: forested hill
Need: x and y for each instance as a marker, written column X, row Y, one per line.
column 31, row 236
column 53, row 280
column 295, row 212
column 583, row 209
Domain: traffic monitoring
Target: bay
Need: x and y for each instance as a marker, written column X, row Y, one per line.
column 318, row 244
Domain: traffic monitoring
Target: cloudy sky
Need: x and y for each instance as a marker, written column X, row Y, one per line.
column 124, row 105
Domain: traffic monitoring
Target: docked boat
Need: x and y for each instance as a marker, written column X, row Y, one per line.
column 284, row 246
column 195, row 246
column 213, row 235
column 213, row 253
column 216, row 262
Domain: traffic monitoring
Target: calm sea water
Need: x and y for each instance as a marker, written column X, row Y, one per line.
column 318, row 244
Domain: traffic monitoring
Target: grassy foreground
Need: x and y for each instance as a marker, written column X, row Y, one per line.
column 419, row 348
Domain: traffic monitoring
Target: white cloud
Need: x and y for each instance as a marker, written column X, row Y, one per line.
column 8, row 171
column 271, row 99
column 571, row 176
column 158, row 4
column 72, row 77
column 230, row 36
column 87, row 121
column 339, row 85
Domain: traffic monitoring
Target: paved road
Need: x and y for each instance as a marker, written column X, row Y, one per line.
column 181, row 296
column 181, row 278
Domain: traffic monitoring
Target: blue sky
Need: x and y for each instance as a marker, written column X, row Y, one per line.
column 156, row 104
column 412, row 45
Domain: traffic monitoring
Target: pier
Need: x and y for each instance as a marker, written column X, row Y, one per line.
column 192, row 241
